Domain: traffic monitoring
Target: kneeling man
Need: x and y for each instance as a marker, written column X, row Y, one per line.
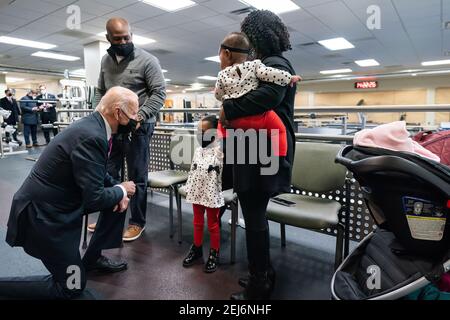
column 70, row 179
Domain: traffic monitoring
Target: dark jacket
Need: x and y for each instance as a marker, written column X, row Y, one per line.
column 13, row 107
column 267, row 97
column 50, row 115
column 29, row 117
column 69, row 179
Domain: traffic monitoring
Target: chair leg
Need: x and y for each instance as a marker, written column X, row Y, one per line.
column 234, row 218
column 171, row 212
column 283, row 234
column 179, row 214
column 86, row 221
column 339, row 245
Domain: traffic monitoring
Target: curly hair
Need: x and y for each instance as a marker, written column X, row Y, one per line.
column 266, row 32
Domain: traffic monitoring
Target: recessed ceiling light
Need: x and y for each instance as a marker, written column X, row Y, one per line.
column 26, row 43
column 5, row 72
column 168, row 80
column 170, row 5
column 164, row 70
column 213, row 59
column 139, row 40
column 208, row 78
column 435, row 63
column 169, row 91
column 12, row 79
column 336, row 44
column 414, row 74
column 336, row 71
column 277, row 7
column 367, row 63
column 56, row 56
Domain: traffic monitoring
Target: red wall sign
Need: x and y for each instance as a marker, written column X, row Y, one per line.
column 366, row 85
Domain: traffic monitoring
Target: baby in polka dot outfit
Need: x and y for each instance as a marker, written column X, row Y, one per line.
column 239, row 76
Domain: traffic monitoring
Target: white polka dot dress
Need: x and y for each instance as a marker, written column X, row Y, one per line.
column 235, row 81
column 204, row 184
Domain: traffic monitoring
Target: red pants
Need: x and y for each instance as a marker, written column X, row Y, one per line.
column 269, row 121
column 213, row 225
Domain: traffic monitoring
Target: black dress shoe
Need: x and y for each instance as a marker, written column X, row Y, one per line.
column 259, row 287
column 213, row 261
column 106, row 265
column 194, row 254
column 243, row 282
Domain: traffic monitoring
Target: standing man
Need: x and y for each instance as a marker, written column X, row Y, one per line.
column 10, row 104
column 135, row 69
column 48, row 115
column 30, row 118
column 69, row 180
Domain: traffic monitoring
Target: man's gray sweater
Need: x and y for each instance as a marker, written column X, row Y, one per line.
column 141, row 73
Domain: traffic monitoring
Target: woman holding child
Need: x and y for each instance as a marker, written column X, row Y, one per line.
column 269, row 38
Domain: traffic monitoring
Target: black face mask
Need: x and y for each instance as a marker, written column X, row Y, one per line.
column 123, row 50
column 9, row 94
column 129, row 128
column 203, row 141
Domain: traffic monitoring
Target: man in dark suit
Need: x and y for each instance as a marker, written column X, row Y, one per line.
column 48, row 114
column 30, row 118
column 69, row 180
column 10, row 104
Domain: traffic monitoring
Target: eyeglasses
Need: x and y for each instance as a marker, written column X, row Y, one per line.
column 239, row 50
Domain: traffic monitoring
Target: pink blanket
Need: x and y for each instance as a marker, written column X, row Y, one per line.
column 392, row 136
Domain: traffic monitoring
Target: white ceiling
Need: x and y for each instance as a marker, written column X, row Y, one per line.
column 411, row 32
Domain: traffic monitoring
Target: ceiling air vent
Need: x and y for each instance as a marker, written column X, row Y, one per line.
column 242, row 11
column 306, row 45
column 75, row 34
column 160, row 52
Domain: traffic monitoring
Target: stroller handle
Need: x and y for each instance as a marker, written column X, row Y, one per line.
column 390, row 163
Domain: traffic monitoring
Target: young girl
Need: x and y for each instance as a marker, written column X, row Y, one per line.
column 204, row 191
column 239, row 76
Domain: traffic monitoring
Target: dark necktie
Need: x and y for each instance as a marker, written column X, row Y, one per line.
column 110, row 144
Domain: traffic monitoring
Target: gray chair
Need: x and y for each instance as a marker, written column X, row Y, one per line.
column 231, row 203
column 181, row 151
column 314, row 171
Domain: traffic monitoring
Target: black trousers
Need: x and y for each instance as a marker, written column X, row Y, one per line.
column 137, row 151
column 49, row 118
column 254, row 206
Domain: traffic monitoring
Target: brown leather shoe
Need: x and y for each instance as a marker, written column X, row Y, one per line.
column 132, row 233
column 91, row 227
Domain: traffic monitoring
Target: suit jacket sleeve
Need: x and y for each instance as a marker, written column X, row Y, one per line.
column 89, row 171
column 268, row 96
column 110, row 181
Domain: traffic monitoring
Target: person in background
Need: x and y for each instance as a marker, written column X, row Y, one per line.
column 10, row 104
column 204, row 191
column 48, row 114
column 68, row 181
column 139, row 71
column 30, row 118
